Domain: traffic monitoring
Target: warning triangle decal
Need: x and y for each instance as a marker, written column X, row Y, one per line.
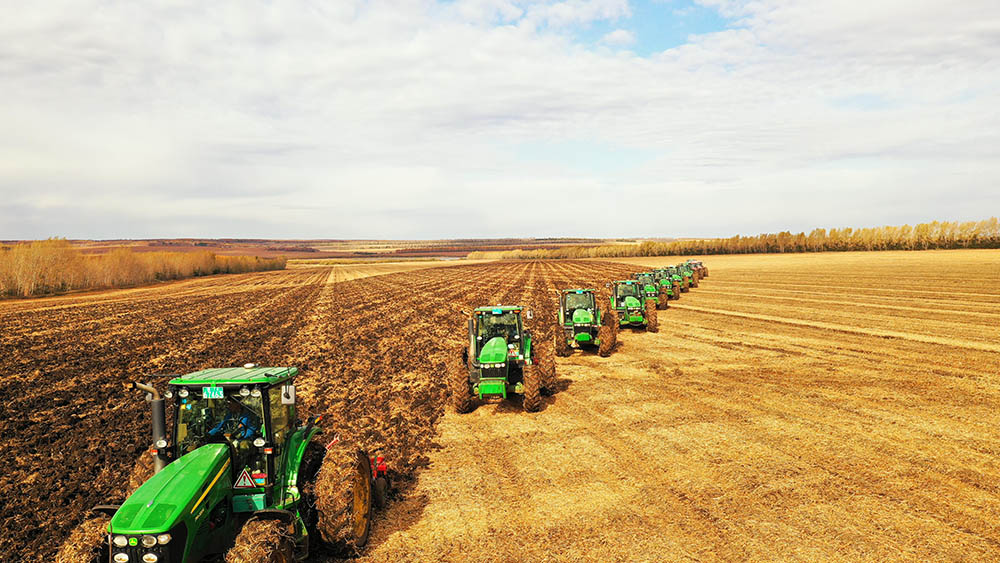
column 245, row 481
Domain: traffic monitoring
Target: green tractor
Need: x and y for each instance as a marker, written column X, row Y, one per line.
column 237, row 462
column 651, row 289
column 633, row 309
column 687, row 277
column 700, row 267
column 677, row 278
column 500, row 359
column 670, row 288
column 691, row 272
column 582, row 324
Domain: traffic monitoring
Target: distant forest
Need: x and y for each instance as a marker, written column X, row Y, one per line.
column 52, row 266
column 924, row 236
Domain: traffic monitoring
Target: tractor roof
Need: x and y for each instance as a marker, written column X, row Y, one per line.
column 625, row 282
column 500, row 308
column 581, row 290
column 236, row 376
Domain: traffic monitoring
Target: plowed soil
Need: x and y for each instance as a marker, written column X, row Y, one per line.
column 373, row 351
column 817, row 407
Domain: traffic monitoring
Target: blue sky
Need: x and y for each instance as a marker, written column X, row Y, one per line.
column 412, row 118
column 657, row 25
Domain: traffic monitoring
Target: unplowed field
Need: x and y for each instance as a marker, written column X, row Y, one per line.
column 793, row 407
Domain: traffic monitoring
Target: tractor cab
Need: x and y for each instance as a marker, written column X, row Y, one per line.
column 648, row 283
column 491, row 323
column 573, row 300
column 625, row 289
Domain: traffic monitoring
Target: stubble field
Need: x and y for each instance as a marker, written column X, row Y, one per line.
column 832, row 406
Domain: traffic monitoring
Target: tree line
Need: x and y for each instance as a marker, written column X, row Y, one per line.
column 54, row 265
column 924, row 236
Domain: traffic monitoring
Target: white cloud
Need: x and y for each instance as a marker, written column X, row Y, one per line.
column 619, row 38
column 410, row 118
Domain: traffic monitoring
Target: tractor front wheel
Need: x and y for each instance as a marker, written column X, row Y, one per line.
column 652, row 323
column 532, row 388
column 264, row 541
column 607, row 341
column 561, row 346
column 461, row 390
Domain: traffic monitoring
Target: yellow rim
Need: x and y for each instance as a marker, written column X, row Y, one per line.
column 362, row 500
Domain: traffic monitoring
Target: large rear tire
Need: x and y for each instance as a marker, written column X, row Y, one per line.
column 532, row 388
column 652, row 323
column 677, row 291
column 562, row 348
column 607, row 341
column 695, row 276
column 87, row 543
column 344, row 496
column 545, row 361
column 460, row 388
column 610, row 318
column 263, row 541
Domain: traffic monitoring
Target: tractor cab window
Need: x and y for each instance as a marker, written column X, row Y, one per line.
column 579, row 301
column 201, row 421
column 282, row 416
column 646, row 279
column 504, row 325
column 627, row 290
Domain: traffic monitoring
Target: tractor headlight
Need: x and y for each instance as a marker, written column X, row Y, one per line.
column 121, row 557
column 161, row 443
column 259, row 442
column 255, row 393
column 148, row 541
column 120, row 541
column 150, row 558
column 183, row 393
column 169, row 394
column 163, row 539
column 244, row 392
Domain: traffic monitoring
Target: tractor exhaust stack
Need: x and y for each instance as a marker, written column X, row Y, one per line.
column 159, row 426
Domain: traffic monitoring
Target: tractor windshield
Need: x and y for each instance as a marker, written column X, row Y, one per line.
column 504, row 324
column 201, row 421
column 646, row 279
column 627, row 290
column 579, row 301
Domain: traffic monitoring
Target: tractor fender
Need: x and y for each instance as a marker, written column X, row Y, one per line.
column 275, row 514
column 108, row 509
column 297, row 450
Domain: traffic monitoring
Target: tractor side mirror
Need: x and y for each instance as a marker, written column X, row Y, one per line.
column 464, row 313
column 528, row 314
column 288, row 395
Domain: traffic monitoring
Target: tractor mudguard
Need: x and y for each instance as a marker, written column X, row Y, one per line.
column 297, row 444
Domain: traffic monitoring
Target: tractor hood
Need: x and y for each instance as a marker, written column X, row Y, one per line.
column 163, row 500
column 494, row 351
column 632, row 302
column 649, row 288
column 582, row 317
